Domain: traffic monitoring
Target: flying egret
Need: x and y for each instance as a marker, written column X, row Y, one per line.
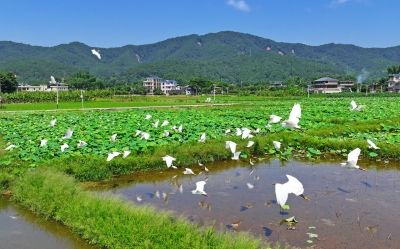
column 68, row 134
column 139, row 198
column 63, row 147
column 245, row 133
column 250, row 144
column 145, row 135
column 52, row 122
column 238, row 132
column 166, row 133
column 293, row 120
column 188, row 171
column 113, row 137
column 112, row 155
column 277, row 145
column 352, row 159
column 293, row 186
column 274, row 119
column 180, row 128
column 202, row 138
column 11, row 146
column 250, row 186
column 138, row 132
column 97, row 53
column 236, row 155
column 355, row 106
column 205, row 168
column 168, row 160
column 82, row 143
column 227, row 131
column 43, row 142
column 155, row 125
column 231, row 145
column 148, row 116
column 200, row 188
column 165, row 123
column 52, row 80
column 126, row 153
column 372, row 145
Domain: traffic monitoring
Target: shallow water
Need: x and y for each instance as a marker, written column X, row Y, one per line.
column 21, row 229
column 348, row 208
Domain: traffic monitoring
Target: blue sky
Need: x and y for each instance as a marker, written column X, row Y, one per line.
column 115, row 23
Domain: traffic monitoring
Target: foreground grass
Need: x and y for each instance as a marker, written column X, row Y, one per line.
column 113, row 222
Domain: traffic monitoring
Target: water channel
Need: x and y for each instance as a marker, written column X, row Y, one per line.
column 348, row 208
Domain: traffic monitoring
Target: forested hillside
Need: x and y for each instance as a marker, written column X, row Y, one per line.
column 229, row 56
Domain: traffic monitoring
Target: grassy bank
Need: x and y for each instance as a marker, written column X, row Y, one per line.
column 113, row 222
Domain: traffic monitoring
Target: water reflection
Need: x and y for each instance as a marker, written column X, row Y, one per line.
column 20, row 228
column 347, row 206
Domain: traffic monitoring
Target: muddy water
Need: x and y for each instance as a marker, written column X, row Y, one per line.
column 21, row 229
column 348, row 208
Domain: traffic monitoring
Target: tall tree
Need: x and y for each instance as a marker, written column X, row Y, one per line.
column 8, row 82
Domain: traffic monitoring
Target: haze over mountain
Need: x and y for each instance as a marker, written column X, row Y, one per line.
column 228, row 56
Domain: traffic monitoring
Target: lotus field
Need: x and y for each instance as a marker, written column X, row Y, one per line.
column 330, row 127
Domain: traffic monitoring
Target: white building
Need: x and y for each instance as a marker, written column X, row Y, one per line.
column 168, row 85
column 59, row 86
column 29, row 88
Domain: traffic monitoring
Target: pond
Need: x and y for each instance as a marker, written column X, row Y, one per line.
column 20, row 228
column 348, row 208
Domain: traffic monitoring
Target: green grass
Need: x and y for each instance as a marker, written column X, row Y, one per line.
column 112, row 222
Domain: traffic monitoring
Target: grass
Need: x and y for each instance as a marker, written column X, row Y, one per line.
column 112, row 222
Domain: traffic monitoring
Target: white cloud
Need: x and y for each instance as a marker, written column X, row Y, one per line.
column 241, row 5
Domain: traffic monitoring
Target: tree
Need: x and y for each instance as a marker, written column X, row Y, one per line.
column 158, row 91
column 395, row 69
column 8, row 82
column 84, row 80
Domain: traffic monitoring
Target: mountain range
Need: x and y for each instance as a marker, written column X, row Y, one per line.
column 224, row 56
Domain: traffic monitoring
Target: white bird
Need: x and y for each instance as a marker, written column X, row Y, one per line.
column 82, row 143
column 293, row 186
column 180, row 128
column 97, row 53
column 200, row 164
column 148, row 116
column 68, row 134
column 166, row 133
column 126, row 153
column 52, row 80
column 165, row 123
column 188, row 171
column 293, row 120
column 250, row 143
column 168, row 160
column 257, row 130
column 43, row 142
column 355, row 106
column 227, row 131
column 139, row 198
column 245, row 133
column 238, row 132
column 205, row 168
column 352, row 159
column 155, row 125
column 250, row 186
column 202, row 138
column 63, row 147
column 274, row 119
column 200, row 188
column 113, row 137
column 231, row 145
column 138, row 132
column 251, row 162
column 11, row 146
column 145, row 135
column 277, row 145
column 52, row 122
column 112, row 155
column 372, row 145
column 236, row 155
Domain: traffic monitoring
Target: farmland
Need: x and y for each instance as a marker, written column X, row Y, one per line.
column 330, row 129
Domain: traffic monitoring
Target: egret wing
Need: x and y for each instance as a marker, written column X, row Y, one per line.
column 281, row 194
column 200, row 186
column 353, row 104
column 294, row 186
column 371, row 143
column 232, row 146
column 295, row 114
column 353, row 156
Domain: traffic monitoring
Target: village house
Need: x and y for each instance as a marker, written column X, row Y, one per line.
column 394, row 83
column 330, row 85
column 43, row 88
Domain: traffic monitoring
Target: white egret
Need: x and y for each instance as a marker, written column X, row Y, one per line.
column 126, row 153
column 231, row 145
column 236, row 155
column 200, row 188
column 139, row 198
column 277, row 145
column 238, row 132
column 205, row 168
column 200, row 164
column 188, row 171
column 68, row 134
column 52, row 122
column 148, row 116
column 202, row 138
column 168, row 160
column 165, row 123
column 245, row 133
column 145, row 135
column 52, row 80
column 97, row 53
column 352, row 159
column 180, row 128
column 251, row 162
column 227, row 131
column 138, row 132
column 293, row 186
column 293, row 120
column 355, row 106
column 82, row 143
column 43, row 142
column 155, row 125
column 257, row 130
column 112, row 155
column 11, row 146
column 156, row 193
column 63, row 147
column 250, row 186
column 372, row 145
column 249, row 144
column 274, row 119
column 166, row 133
column 113, row 137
